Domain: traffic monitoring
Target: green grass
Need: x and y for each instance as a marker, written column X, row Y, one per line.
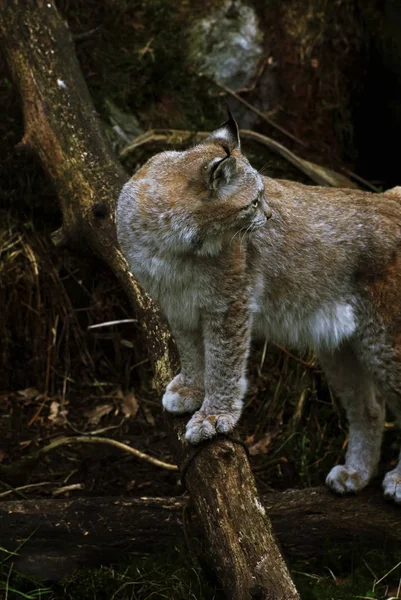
column 13, row 585
column 163, row 575
column 343, row 573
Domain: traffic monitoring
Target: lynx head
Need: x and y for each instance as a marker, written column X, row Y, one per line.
column 195, row 200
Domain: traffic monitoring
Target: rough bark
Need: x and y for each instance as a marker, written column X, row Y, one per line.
column 62, row 129
column 64, row 534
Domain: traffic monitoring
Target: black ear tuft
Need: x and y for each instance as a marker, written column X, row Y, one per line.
column 227, row 134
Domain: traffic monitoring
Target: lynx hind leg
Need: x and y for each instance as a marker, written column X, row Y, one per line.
column 365, row 412
column 392, row 484
column 180, row 398
column 384, row 362
column 392, row 480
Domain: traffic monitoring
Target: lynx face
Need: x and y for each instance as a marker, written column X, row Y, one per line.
column 198, row 200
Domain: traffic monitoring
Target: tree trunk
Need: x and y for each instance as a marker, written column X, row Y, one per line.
column 62, row 129
column 62, row 535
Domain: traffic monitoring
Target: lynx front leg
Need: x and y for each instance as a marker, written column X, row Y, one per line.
column 365, row 413
column 227, row 337
column 185, row 393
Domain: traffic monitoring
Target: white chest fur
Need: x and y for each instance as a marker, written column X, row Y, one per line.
column 181, row 289
column 325, row 326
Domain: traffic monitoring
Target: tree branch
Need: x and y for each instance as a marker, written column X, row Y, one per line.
column 67, row 533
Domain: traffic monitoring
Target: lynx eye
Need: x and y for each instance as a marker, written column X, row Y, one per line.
column 252, row 205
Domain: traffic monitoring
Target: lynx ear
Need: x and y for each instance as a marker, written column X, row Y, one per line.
column 227, row 134
column 224, row 172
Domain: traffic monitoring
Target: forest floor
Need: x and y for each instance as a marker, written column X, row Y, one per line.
column 294, row 431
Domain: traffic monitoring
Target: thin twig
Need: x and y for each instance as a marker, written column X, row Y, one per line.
column 68, row 488
column 308, row 365
column 82, row 439
column 19, row 468
column 318, row 174
column 365, row 182
column 102, row 429
column 169, row 136
column 86, row 35
column 258, row 112
column 24, row 487
column 111, row 323
column 8, row 580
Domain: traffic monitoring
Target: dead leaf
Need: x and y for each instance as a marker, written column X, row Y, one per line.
column 250, row 440
column 147, row 49
column 25, row 443
column 29, row 394
column 58, row 414
column 262, row 446
column 144, row 484
column 148, row 415
column 96, row 414
column 54, row 411
column 66, row 489
column 130, row 405
column 393, row 591
column 340, row 580
column 130, row 485
column 136, row 26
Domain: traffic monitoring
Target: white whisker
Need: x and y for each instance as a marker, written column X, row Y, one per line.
column 239, row 231
column 246, row 231
column 264, row 168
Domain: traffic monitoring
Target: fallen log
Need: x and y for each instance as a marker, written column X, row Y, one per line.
column 62, row 130
column 61, row 535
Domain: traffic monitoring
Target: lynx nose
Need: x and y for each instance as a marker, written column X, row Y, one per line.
column 268, row 212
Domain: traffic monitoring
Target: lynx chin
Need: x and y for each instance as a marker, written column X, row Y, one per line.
column 229, row 253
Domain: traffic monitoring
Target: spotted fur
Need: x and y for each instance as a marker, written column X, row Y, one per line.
column 228, row 253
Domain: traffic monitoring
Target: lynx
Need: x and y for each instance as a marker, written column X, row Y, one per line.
column 229, row 253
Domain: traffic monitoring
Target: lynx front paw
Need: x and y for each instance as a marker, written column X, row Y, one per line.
column 203, row 427
column 392, row 486
column 180, row 398
column 344, row 480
